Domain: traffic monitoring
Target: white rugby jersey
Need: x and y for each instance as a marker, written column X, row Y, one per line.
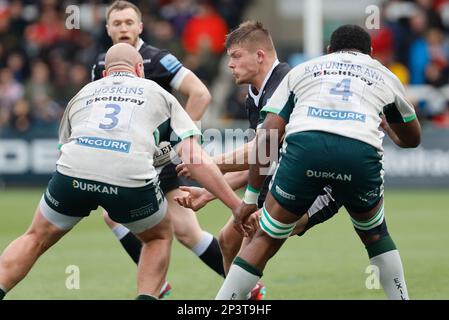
column 106, row 133
column 342, row 93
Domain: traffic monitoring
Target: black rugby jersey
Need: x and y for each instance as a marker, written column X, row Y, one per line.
column 272, row 83
column 159, row 65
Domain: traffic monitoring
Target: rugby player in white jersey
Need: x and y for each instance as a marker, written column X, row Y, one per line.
column 107, row 149
column 124, row 25
column 330, row 109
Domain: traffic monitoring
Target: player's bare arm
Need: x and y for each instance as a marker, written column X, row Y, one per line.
column 198, row 97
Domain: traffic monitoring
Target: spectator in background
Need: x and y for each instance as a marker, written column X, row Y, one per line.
column 418, row 54
column 10, row 89
column 20, row 120
column 203, row 40
column 382, row 44
column 16, row 63
column 206, row 29
column 178, row 13
column 437, row 68
column 39, row 83
column 8, row 39
column 161, row 34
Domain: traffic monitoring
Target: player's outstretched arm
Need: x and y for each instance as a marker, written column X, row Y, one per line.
column 196, row 198
column 237, row 160
column 205, row 171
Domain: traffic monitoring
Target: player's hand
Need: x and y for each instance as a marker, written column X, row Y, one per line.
column 195, row 199
column 183, row 171
column 241, row 215
column 252, row 223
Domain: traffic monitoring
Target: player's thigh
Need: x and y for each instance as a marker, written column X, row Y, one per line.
column 357, row 175
column 67, row 200
column 161, row 231
column 290, row 186
column 185, row 223
column 138, row 209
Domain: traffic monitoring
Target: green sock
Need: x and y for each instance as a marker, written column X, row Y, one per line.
column 2, row 294
column 145, row 297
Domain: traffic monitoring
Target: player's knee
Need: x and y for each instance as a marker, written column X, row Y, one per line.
column 274, row 228
column 228, row 244
column 183, row 238
column 369, row 236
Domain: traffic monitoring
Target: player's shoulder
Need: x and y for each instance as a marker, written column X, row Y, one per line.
column 282, row 69
column 100, row 58
column 150, row 53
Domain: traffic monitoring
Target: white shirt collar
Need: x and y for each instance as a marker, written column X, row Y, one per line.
column 259, row 94
column 139, row 44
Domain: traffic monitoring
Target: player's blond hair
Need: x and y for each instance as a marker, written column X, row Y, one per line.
column 250, row 33
column 122, row 5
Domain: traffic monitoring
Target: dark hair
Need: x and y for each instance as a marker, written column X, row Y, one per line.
column 250, row 32
column 350, row 36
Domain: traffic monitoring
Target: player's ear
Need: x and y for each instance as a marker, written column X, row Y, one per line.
column 328, row 49
column 139, row 70
column 140, row 27
column 260, row 55
column 371, row 51
column 104, row 73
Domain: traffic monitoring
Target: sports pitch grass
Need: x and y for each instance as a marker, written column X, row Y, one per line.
column 329, row 262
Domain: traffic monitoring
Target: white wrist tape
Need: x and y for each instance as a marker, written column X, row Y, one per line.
column 251, row 195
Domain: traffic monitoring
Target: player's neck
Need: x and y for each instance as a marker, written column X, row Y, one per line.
column 262, row 74
column 120, row 70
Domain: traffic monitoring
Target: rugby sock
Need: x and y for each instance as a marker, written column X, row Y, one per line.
column 145, row 297
column 208, row 250
column 129, row 241
column 385, row 256
column 2, row 293
column 239, row 282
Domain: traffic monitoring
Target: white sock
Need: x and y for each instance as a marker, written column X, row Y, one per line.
column 120, row 231
column 237, row 285
column 203, row 244
column 391, row 275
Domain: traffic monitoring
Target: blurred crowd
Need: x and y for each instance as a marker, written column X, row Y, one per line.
column 43, row 63
column 413, row 42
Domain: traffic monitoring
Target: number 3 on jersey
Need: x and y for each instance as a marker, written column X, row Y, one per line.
column 111, row 116
column 342, row 89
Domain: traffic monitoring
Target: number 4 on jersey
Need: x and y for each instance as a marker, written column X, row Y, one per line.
column 342, row 89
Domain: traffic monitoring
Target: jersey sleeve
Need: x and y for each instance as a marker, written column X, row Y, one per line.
column 281, row 103
column 65, row 127
column 401, row 109
column 166, row 68
column 97, row 68
column 181, row 125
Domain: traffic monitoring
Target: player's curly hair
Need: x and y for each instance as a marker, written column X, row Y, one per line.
column 350, row 36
